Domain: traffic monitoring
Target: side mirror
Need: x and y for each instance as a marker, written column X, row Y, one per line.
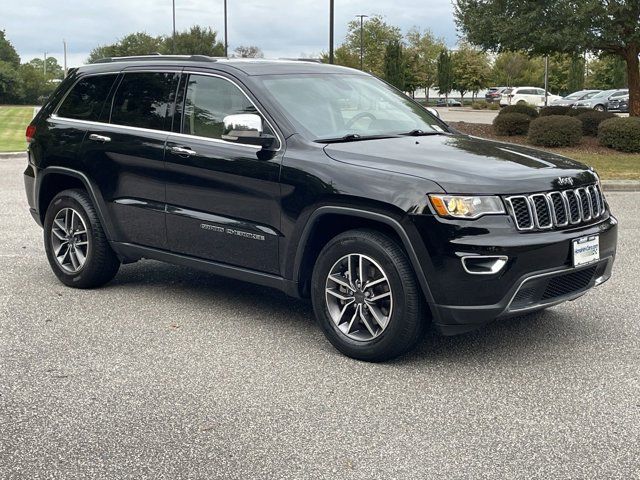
column 433, row 111
column 246, row 128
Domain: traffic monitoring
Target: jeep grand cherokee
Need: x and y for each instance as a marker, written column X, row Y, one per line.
column 318, row 180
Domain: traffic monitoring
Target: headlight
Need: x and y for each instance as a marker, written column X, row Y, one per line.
column 460, row 206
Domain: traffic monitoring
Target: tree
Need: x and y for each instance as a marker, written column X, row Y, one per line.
column 607, row 72
column 376, row 35
column 514, row 69
column 471, row 71
column 422, row 53
column 558, row 26
column 11, row 90
column 54, row 70
column 342, row 56
column 139, row 43
column 8, row 53
column 250, row 51
column 445, row 73
column 195, row 41
column 575, row 81
column 394, row 68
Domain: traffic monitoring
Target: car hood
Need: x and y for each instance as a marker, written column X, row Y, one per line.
column 466, row 164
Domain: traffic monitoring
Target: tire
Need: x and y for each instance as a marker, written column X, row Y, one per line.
column 521, row 102
column 599, row 108
column 73, row 210
column 403, row 324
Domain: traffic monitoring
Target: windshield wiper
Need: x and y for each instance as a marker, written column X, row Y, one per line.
column 352, row 137
column 419, row 133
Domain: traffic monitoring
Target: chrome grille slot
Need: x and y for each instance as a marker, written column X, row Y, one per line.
column 542, row 211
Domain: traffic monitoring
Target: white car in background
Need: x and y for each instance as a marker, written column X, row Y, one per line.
column 526, row 95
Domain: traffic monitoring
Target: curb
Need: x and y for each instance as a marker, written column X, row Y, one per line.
column 620, row 185
column 8, row 155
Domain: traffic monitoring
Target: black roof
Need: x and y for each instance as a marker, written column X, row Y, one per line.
column 249, row 66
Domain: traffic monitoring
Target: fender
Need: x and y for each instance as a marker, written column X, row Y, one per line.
column 379, row 217
column 92, row 189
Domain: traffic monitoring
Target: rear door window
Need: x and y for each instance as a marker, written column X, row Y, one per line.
column 145, row 100
column 86, row 99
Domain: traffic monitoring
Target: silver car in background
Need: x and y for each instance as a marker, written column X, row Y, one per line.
column 569, row 100
column 600, row 102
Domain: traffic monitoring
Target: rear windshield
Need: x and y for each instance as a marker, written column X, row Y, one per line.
column 87, row 97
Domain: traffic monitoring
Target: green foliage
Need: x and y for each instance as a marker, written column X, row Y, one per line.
column 493, row 106
column 394, row 68
column 471, row 70
column 574, row 112
column 591, row 120
column 523, row 109
column 8, row 54
column 576, row 78
column 557, row 26
column 11, row 90
column 376, row 35
column 555, row 110
column 445, row 73
column 517, row 69
column 555, row 131
column 607, row 72
column 620, row 134
column 421, row 56
column 511, row 124
column 479, row 105
column 195, row 41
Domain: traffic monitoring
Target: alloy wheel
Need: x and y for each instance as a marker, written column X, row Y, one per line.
column 358, row 297
column 69, row 240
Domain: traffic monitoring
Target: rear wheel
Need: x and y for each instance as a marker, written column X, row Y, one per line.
column 599, row 108
column 76, row 245
column 366, row 297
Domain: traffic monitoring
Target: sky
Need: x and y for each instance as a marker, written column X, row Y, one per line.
column 280, row 28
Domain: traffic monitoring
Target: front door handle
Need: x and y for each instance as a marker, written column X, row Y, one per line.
column 99, row 138
column 182, row 151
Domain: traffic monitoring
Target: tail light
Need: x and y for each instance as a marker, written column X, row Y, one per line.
column 30, row 133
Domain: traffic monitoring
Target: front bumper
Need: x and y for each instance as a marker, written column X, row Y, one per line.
column 539, row 271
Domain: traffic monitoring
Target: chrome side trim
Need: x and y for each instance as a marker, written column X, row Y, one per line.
column 499, row 263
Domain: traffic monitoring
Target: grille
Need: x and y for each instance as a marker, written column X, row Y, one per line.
column 568, row 283
column 540, row 211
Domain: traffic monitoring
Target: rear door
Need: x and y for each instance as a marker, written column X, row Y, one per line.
column 223, row 202
column 126, row 155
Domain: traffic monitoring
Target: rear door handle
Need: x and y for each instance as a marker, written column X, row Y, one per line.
column 182, row 151
column 99, row 138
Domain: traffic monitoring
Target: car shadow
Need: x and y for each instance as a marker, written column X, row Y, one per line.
column 511, row 337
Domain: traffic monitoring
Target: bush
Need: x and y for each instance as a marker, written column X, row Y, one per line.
column 555, row 131
column 493, row 106
column 621, row 134
column 555, row 110
column 479, row 105
column 511, row 124
column 591, row 120
column 524, row 109
column 574, row 112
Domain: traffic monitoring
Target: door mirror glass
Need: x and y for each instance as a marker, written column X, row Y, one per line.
column 241, row 126
column 433, row 111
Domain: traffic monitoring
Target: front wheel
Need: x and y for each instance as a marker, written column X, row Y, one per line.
column 599, row 108
column 366, row 297
column 76, row 245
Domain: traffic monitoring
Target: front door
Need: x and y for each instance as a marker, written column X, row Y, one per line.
column 223, row 202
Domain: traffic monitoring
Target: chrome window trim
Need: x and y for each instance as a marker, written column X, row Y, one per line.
column 535, row 211
column 515, row 219
column 168, row 133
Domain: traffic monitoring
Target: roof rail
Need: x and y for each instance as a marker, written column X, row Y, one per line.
column 158, row 57
column 312, row 60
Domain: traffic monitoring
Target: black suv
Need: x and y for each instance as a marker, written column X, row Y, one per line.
column 318, row 180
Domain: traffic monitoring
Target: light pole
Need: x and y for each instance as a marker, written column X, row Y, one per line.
column 226, row 42
column 362, row 17
column 331, row 8
column 546, row 80
column 64, row 45
column 173, row 35
column 44, row 66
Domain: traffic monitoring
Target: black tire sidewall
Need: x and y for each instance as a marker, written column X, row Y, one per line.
column 384, row 345
column 59, row 202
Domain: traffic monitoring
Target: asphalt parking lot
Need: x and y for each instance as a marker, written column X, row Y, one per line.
column 173, row 373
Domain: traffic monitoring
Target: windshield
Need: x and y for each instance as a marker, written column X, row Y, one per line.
column 336, row 106
column 605, row 93
column 576, row 96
